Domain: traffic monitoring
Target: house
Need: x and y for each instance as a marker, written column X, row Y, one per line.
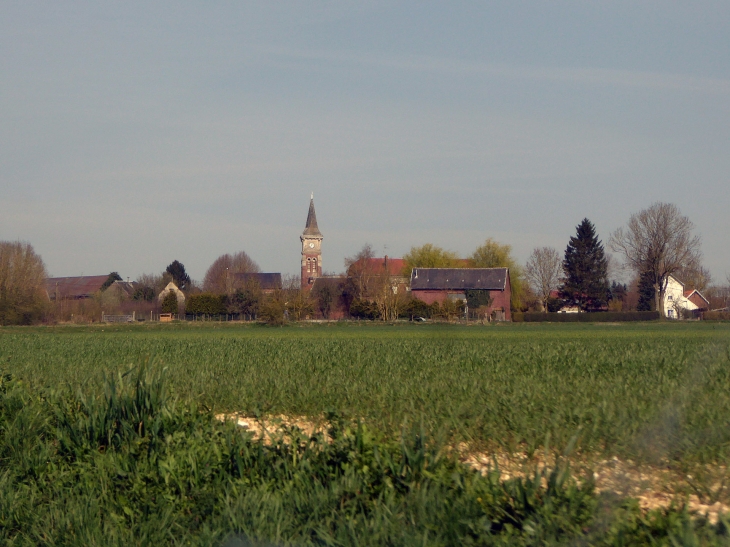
column 124, row 289
column 267, row 282
column 440, row 284
column 679, row 301
column 368, row 272
column 171, row 287
column 74, row 288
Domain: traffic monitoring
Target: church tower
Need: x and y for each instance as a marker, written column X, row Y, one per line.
column 311, row 248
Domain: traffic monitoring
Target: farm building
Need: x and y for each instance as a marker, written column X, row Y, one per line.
column 74, row 288
column 440, row 284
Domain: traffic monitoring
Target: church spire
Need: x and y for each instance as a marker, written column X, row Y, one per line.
column 311, row 228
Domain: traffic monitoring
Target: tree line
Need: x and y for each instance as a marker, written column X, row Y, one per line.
column 656, row 243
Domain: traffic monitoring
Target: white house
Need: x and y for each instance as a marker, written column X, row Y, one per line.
column 677, row 299
column 171, row 287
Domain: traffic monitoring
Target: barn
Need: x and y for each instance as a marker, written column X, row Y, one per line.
column 439, row 284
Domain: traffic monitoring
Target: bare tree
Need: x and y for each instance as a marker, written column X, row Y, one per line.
column 360, row 271
column 658, row 242
column 388, row 296
column 220, row 275
column 543, row 271
column 299, row 301
column 22, row 281
column 695, row 277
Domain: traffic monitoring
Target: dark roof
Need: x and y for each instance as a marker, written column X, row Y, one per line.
column 311, row 228
column 83, row 286
column 129, row 287
column 491, row 279
column 266, row 281
column 331, row 281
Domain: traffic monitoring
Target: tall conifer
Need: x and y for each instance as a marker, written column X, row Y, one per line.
column 586, row 269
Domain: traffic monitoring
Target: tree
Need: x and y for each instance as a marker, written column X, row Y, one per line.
column 114, row 276
column 179, row 275
column 388, row 297
column 430, row 256
column 246, row 300
column 273, row 307
column 645, row 288
column 169, row 303
column 220, row 277
column 694, row 277
column 492, row 254
column 585, row 269
column 658, row 242
column 144, row 293
column 156, row 282
column 22, row 281
column 543, row 271
column 359, row 270
column 325, row 297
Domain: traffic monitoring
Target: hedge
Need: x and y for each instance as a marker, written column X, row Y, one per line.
column 716, row 316
column 590, row 317
column 206, row 304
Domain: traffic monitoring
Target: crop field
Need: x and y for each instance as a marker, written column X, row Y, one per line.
column 617, row 388
column 653, row 394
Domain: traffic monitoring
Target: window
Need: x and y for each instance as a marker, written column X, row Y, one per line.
column 670, row 298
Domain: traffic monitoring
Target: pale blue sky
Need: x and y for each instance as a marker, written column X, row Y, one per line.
column 136, row 133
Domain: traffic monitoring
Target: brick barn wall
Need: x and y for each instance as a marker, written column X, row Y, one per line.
column 500, row 299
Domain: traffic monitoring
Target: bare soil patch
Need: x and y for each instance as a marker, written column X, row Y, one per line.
column 654, row 486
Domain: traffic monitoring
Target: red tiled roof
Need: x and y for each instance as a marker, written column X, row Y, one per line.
column 393, row 265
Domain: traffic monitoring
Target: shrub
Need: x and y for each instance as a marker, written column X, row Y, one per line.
column 590, row 317
column 364, row 309
column 716, row 316
column 127, row 465
column 169, row 303
column 206, row 304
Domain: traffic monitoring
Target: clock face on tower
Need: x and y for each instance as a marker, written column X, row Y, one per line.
column 311, row 245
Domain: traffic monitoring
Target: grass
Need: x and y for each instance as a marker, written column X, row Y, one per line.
column 647, row 391
column 107, row 435
column 126, row 464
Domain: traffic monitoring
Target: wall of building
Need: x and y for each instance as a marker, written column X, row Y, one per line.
column 500, row 299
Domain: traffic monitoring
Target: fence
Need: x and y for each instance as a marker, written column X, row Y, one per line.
column 117, row 318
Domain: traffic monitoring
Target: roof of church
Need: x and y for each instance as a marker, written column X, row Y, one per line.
column 311, row 228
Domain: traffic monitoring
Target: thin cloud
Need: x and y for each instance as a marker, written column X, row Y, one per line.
column 573, row 75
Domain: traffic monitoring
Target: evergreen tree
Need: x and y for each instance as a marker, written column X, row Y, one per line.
column 179, row 275
column 646, row 292
column 169, row 303
column 585, row 267
column 114, row 276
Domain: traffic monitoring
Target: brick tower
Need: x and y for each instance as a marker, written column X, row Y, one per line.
column 311, row 248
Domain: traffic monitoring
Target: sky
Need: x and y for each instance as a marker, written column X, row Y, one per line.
column 135, row 133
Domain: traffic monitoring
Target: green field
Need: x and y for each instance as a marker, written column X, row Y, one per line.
column 620, row 388
column 92, row 457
